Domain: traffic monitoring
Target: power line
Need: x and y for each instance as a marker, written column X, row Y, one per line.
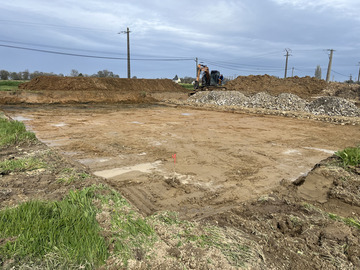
column 339, row 73
column 56, row 47
column 95, row 56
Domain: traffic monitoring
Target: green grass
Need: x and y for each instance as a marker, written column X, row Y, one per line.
column 66, row 231
column 349, row 221
column 349, row 156
column 188, row 86
column 70, row 175
column 14, row 132
column 21, row 165
column 132, row 236
column 8, row 85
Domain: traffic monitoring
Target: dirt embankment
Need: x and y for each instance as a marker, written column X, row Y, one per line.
column 305, row 87
column 54, row 83
column 52, row 89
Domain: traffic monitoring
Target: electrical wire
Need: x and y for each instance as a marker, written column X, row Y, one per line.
column 94, row 56
column 339, row 73
column 55, row 47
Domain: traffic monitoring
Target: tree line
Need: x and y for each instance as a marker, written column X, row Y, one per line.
column 27, row 75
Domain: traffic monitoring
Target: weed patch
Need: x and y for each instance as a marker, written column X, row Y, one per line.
column 349, row 221
column 349, row 156
column 21, row 165
column 70, row 175
column 14, row 132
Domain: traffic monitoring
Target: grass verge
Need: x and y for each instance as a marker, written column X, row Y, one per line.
column 20, row 165
column 66, row 231
column 187, row 86
column 14, row 132
column 9, row 85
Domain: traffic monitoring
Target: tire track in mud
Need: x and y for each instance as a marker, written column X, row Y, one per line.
column 140, row 199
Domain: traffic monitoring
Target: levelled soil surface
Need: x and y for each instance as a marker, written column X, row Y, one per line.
column 286, row 227
column 304, row 87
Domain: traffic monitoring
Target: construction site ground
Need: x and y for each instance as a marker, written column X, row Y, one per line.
column 233, row 170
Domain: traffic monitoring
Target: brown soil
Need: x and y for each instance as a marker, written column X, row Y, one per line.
column 305, row 87
column 59, row 90
column 54, row 83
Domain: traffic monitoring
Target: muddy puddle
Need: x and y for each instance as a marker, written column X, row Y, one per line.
column 222, row 159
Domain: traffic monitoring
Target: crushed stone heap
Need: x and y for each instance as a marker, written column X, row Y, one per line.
column 332, row 106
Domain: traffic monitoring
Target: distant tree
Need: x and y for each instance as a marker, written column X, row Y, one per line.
column 134, row 77
column 15, row 76
column 187, row 79
column 175, row 78
column 74, row 73
column 35, row 74
column 106, row 73
column 4, row 75
column 25, row 75
column 100, row 74
column 318, row 72
column 80, row 75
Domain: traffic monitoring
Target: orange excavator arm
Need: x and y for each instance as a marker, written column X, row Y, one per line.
column 202, row 68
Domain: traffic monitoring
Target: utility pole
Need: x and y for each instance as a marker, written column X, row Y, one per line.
column 359, row 74
column 287, row 60
column 330, row 63
column 292, row 73
column 127, row 32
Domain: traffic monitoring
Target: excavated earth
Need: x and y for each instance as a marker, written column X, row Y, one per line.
column 268, row 173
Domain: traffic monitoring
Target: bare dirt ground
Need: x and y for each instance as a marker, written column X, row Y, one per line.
column 222, row 159
column 271, row 179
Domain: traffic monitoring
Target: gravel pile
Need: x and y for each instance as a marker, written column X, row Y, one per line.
column 221, row 98
column 331, row 106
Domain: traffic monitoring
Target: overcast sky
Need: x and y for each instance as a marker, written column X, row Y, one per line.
column 235, row 37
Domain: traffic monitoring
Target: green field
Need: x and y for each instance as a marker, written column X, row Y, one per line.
column 188, row 86
column 8, row 85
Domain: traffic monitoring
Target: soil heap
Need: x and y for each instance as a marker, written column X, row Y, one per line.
column 70, row 90
column 305, row 87
column 54, row 83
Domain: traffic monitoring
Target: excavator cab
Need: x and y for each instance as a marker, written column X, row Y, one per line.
column 215, row 78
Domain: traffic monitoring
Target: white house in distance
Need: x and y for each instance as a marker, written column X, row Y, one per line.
column 176, row 79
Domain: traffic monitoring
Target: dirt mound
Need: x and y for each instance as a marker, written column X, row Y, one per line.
column 54, row 83
column 65, row 90
column 304, row 87
column 343, row 90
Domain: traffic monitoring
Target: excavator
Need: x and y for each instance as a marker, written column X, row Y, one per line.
column 209, row 80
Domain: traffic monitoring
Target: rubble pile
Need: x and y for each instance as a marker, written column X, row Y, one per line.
column 331, row 106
